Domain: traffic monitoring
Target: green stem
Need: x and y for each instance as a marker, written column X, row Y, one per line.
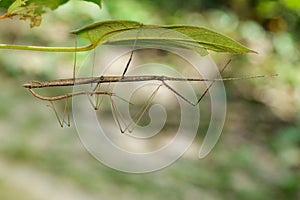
column 49, row 49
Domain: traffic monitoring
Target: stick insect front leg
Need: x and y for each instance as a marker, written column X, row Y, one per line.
column 61, row 119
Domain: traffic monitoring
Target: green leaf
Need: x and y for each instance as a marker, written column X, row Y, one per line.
column 198, row 38
column 32, row 9
column 16, row 5
column 25, row 10
column 97, row 33
column 53, row 4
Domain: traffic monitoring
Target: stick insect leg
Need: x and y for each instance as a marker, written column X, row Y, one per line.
column 177, row 93
column 129, row 61
column 127, row 65
column 118, row 116
column 116, row 111
column 75, row 60
column 211, row 84
column 61, row 119
column 138, row 115
column 95, row 105
column 203, row 94
column 98, row 101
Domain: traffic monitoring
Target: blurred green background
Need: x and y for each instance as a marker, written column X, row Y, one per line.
column 257, row 156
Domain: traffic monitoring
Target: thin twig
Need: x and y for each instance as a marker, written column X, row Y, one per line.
column 48, row 49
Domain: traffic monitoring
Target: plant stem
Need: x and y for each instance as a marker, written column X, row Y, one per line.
column 49, row 49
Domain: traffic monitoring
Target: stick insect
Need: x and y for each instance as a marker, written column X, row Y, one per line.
column 120, row 120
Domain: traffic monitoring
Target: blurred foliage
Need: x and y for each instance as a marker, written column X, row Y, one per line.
column 257, row 156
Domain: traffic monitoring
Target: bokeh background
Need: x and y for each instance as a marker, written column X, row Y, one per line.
column 257, row 156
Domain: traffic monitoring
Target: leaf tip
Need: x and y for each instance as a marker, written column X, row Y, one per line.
column 248, row 50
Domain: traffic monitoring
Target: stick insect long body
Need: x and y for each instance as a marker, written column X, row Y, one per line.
column 103, row 79
column 114, row 79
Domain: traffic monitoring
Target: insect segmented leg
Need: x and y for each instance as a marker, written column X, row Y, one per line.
column 211, row 84
column 97, row 100
column 203, row 94
column 119, row 117
column 139, row 114
column 61, row 118
column 127, row 65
